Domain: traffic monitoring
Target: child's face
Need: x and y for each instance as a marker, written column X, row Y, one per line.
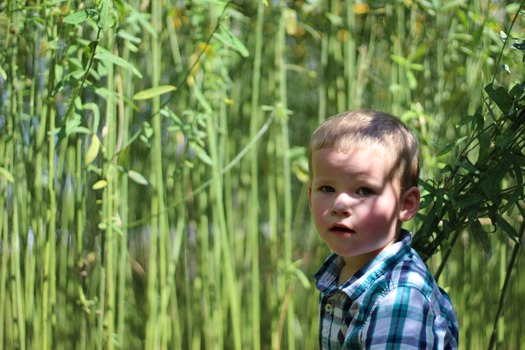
column 356, row 203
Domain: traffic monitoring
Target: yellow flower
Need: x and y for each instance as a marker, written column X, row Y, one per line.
column 360, row 8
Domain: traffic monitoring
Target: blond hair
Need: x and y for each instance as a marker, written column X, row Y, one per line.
column 371, row 130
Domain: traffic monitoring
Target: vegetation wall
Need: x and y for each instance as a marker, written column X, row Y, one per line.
column 153, row 175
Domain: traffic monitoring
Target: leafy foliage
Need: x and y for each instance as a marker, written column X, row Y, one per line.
column 148, row 152
column 486, row 181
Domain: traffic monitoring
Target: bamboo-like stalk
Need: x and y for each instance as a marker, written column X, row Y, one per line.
column 4, row 273
column 322, row 91
column 48, row 288
column 254, row 185
column 154, row 324
column 397, row 71
column 231, row 290
column 211, row 271
column 350, row 59
column 505, row 287
column 124, row 117
column 158, row 320
column 13, row 242
column 283, row 153
column 338, row 55
column 109, row 207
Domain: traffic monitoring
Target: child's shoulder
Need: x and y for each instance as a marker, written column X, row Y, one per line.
column 411, row 271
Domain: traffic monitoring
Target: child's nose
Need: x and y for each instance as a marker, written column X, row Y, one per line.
column 342, row 204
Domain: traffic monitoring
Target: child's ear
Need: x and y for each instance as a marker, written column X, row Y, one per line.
column 409, row 204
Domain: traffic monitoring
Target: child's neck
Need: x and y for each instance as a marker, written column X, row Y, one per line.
column 354, row 263
column 346, row 272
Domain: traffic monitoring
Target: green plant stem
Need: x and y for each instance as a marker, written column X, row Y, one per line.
column 111, row 193
column 123, row 258
column 50, row 244
column 504, row 289
column 284, row 149
column 497, row 66
column 4, row 268
column 230, row 284
column 350, row 50
column 254, row 189
column 157, row 323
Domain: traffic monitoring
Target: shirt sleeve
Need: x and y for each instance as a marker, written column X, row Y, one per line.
column 402, row 319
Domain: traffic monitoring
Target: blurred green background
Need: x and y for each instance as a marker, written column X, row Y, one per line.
column 153, row 172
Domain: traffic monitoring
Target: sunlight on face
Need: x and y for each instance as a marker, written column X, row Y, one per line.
column 354, row 200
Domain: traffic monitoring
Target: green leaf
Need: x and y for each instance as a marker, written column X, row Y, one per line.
column 128, row 36
column 467, row 165
column 500, row 96
column 520, row 46
column 80, row 16
column 334, row 19
column 171, row 115
column 299, row 274
column 108, row 57
column 148, row 129
column 7, row 175
column 123, row 157
column 96, row 113
column 480, row 236
column 202, row 99
column 136, row 15
column 445, row 149
column 503, row 140
column 153, row 92
column 99, row 185
column 93, row 149
column 466, row 202
column 138, row 178
column 3, row 74
column 230, row 40
column 72, row 125
column 202, row 155
column 451, row 5
column 103, row 18
column 507, row 228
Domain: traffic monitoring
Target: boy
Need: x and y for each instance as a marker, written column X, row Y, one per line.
column 376, row 292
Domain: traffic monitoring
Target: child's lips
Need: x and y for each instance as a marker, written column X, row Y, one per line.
column 339, row 229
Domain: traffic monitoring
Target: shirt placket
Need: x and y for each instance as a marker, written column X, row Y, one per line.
column 331, row 324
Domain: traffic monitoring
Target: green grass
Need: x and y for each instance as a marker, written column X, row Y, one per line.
column 181, row 220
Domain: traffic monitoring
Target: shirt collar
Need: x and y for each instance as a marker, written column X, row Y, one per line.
column 328, row 274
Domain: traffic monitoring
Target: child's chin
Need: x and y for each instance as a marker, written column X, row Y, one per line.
column 342, row 233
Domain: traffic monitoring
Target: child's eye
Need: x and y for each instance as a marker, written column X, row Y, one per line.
column 365, row 191
column 326, row 189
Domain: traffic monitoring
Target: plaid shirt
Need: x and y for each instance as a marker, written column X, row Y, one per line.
column 391, row 303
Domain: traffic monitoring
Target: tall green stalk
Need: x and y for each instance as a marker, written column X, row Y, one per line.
column 124, row 117
column 4, row 273
column 505, row 286
column 108, row 287
column 254, row 184
column 283, row 154
column 48, row 288
column 206, row 260
column 350, row 59
column 15, row 242
column 157, row 335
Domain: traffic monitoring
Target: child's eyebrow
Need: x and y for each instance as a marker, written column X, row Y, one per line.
column 322, row 179
column 367, row 179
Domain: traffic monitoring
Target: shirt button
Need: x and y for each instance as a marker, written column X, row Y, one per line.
column 329, row 308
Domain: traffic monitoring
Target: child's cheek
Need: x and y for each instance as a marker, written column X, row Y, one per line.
column 377, row 217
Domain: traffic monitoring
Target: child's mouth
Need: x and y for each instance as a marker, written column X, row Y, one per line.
column 341, row 229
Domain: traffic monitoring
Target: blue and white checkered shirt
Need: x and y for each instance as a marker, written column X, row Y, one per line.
column 391, row 303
